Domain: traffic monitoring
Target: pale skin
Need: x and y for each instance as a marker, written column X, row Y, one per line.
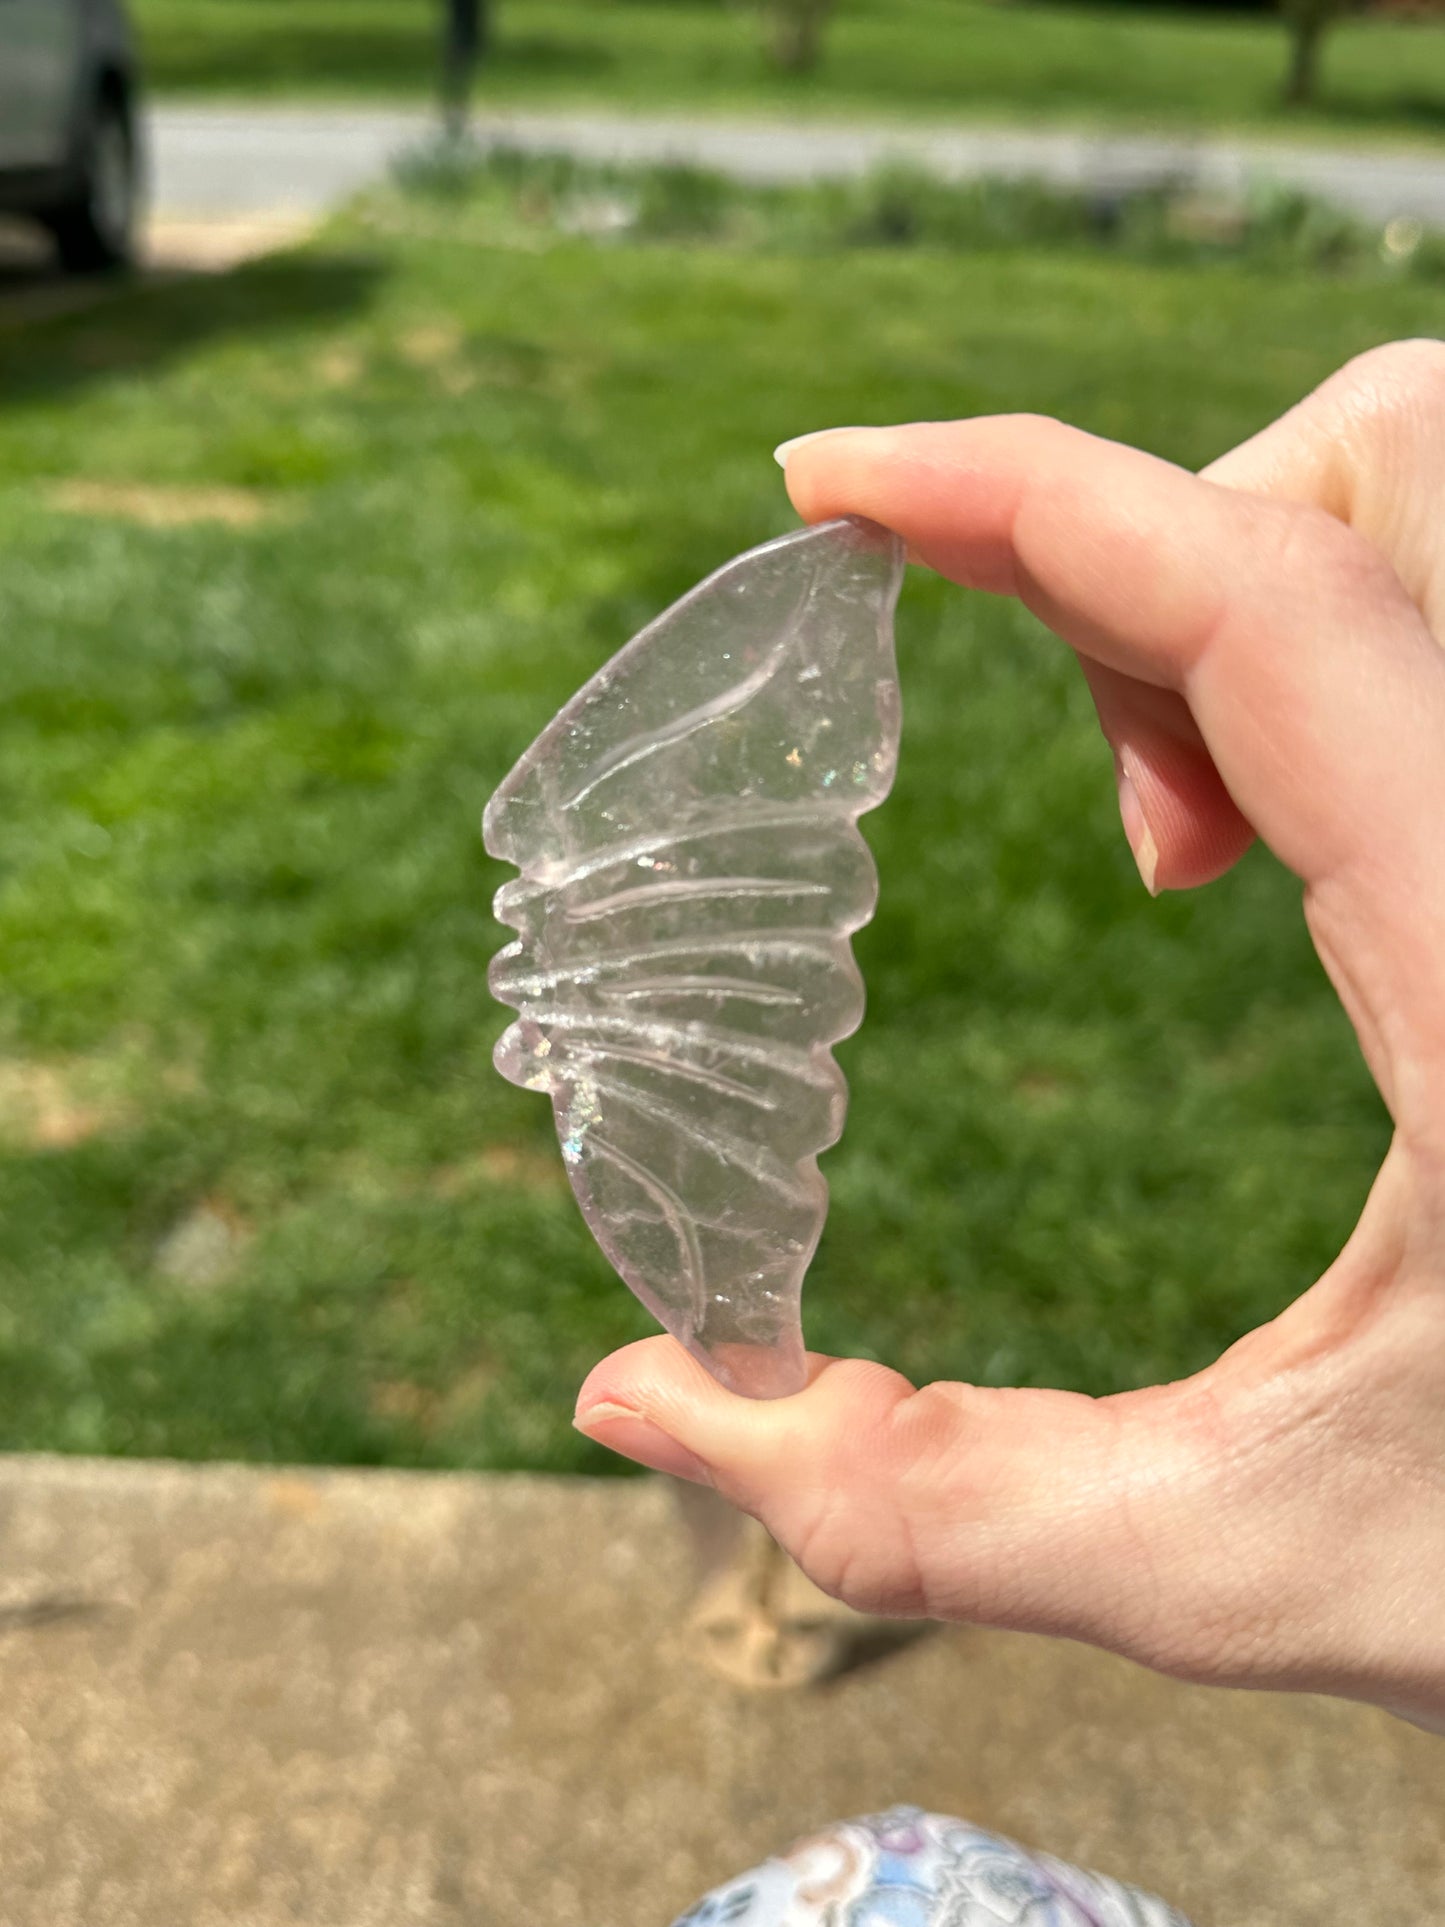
column 1265, row 644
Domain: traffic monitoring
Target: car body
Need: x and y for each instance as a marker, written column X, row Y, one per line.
column 70, row 149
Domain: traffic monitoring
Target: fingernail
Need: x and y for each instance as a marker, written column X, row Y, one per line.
column 785, row 449
column 1136, row 829
column 622, row 1430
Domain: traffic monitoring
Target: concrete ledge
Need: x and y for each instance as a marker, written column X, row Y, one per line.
column 241, row 1695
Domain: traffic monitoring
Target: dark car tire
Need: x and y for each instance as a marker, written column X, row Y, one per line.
column 95, row 228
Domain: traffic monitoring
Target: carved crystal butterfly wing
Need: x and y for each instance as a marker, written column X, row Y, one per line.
column 691, row 871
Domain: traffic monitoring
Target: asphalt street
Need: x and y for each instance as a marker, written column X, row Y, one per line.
column 229, row 162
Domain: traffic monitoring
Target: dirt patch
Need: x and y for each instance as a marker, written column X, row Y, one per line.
column 1044, row 1090
column 203, row 1249
column 156, row 506
column 404, row 1399
column 439, row 348
column 511, row 1164
column 431, row 345
column 211, row 244
column 340, row 366
column 55, row 1106
column 432, row 1409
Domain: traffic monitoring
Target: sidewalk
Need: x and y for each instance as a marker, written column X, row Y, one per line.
column 241, row 1697
column 248, row 160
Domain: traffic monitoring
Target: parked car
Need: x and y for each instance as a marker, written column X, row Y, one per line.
column 70, row 147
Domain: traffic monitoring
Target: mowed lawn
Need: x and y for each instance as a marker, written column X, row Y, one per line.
column 295, row 561
column 934, row 59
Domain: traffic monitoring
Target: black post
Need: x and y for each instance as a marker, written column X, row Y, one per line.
column 463, row 44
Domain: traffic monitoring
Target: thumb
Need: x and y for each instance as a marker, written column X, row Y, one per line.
column 1265, row 1523
column 1001, row 1507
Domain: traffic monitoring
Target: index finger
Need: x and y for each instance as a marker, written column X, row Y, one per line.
column 1313, row 678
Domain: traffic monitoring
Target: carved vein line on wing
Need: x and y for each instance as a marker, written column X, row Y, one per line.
column 689, row 1073
column 780, row 946
column 719, row 823
column 767, row 1171
column 727, row 703
column 692, row 889
column 675, row 1214
column 812, row 1066
column 739, row 988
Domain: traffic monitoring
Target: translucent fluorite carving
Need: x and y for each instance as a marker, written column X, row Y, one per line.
column 692, row 870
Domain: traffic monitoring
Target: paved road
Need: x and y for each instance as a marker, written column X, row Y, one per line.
column 234, row 161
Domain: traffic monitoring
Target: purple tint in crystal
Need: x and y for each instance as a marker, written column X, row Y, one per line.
column 687, row 833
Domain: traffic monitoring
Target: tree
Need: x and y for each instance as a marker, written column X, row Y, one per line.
column 1309, row 20
column 464, row 41
column 796, row 29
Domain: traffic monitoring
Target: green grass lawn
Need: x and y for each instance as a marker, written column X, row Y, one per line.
column 261, row 1192
column 936, row 59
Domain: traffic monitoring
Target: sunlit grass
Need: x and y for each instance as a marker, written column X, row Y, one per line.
column 261, row 1193
column 938, row 59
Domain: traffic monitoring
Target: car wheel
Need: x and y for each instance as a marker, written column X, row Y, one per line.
column 95, row 230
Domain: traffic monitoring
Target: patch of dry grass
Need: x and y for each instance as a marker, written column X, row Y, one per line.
column 162, row 506
column 517, row 1165
column 53, row 1106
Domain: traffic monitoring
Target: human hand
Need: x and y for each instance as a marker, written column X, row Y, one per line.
column 1266, row 648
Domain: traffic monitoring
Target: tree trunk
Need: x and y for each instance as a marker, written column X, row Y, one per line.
column 1307, row 31
column 798, row 33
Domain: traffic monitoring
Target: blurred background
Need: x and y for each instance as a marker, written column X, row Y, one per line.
column 370, row 371
column 302, row 544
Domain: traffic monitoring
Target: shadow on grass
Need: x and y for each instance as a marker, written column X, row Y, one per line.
column 272, row 51
column 547, row 57
column 278, row 54
column 1423, row 111
column 57, row 334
